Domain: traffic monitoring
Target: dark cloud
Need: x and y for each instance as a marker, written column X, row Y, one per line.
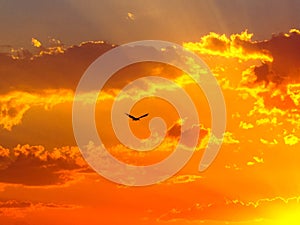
column 35, row 166
column 52, row 67
column 285, row 67
column 262, row 72
column 174, row 130
column 62, row 67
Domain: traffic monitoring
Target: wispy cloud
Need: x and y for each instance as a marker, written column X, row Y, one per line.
column 17, row 209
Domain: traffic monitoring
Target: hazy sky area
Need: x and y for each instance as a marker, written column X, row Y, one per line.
column 74, row 21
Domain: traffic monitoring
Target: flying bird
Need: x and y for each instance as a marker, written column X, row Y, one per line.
column 136, row 118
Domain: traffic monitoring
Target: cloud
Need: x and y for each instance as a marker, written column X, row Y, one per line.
column 20, row 53
column 48, row 67
column 273, row 142
column 233, row 210
column 229, row 138
column 285, row 67
column 26, row 204
column 35, row 166
column 291, row 139
column 255, row 160
column 49, row 76
column 59, row 66
column 270, row 102
column 267, row 148
column 245, row 125
column 293, row 90
column 36, row 43
column 130, row 16
column 17, row 209
column 4, row 152
column 270, row 87
column 238, row 46
column 166, row 147
column 182, row 179
column 14, row 105
column 274, row 83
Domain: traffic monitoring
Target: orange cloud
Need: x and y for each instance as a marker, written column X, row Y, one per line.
column 4, row 152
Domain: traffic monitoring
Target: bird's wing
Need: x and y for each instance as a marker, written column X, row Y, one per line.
column 132, row 117
column 144, row 115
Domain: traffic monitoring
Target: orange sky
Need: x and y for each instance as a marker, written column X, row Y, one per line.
column 254, row 179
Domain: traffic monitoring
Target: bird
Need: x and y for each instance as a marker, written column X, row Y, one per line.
column 136, row 118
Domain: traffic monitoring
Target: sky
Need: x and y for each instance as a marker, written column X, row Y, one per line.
column 252, row 50
column 74, row 21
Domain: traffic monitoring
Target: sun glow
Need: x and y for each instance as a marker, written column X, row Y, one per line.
column 287, row 218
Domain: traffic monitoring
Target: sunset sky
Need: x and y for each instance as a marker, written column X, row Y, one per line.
column 252, row 49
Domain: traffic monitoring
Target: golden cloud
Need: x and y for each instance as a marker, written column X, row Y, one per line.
column 291, row 139
column 255, row 160
column 293, row 90
column 245, row 125
column 238, row 46
column 229, row 138
column 13, row 105
column 36, row 43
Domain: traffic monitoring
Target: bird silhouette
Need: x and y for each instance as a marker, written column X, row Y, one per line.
column 136, row 118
